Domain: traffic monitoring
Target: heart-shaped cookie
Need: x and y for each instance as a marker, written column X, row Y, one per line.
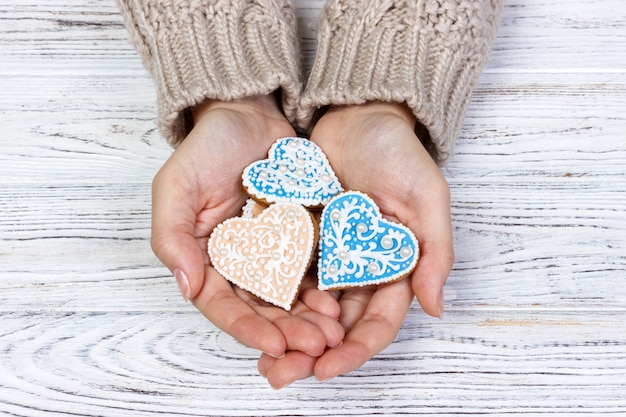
column 296, row 171
column 359, row 247
column 267, row 255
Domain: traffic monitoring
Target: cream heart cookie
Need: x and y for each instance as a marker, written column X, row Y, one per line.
column 296, row 171
column 358, row 247
column 267, row 255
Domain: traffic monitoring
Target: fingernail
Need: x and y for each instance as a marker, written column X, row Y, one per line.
column 340, row 344
column 279, row 387
column 325, row 378
column 183, row 284
column 274, row 356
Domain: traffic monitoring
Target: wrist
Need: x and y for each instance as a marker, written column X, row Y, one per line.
column 401, row 110
column 267, row 104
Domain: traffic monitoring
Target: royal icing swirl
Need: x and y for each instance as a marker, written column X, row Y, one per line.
column 267, row 255
column 296, row 171
column 358, row 247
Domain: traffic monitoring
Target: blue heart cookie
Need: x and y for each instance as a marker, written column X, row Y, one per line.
column 358, row 247
column 296, row 171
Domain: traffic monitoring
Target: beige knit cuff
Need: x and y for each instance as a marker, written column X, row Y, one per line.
column 206, row 49
column 425, row 53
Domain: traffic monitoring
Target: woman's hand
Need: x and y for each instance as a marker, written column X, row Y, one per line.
column 199, row 187
column 373, row 148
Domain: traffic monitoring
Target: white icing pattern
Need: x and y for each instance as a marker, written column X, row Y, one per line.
column 296, row 171
column 267, row 255
column 358, row 247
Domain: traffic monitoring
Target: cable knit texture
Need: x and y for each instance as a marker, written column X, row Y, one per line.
column 426, row 53
column 214, row 49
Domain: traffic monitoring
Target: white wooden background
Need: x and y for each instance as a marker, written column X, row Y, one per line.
column 91, row 324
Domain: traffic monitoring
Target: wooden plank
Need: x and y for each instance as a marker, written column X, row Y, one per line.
column 514, row 124
column 542, row 125
column 561, row 36
column 547, row 248
column 92, row 324
column 177, row 364
column 47, row 73
column 535, row 35
column 556, row 242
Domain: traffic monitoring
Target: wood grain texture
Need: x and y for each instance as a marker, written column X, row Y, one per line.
column 91, row 324
column 176, row 364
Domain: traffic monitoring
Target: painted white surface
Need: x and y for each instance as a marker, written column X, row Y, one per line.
column 91, row 324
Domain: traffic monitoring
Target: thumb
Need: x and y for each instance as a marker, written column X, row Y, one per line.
column 182, row 255
column 173, row 240
column 429, row 277
column 433, row 230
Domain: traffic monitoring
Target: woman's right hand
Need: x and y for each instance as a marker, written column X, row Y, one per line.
column 199, row 187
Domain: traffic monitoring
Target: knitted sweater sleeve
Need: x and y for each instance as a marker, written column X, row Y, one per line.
column 214, row 49
column 426, row 53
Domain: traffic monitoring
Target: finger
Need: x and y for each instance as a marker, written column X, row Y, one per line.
column 429, row 278
column 331, row 328
column 264, row 364
column 299, row 334
column 433, row 229
column 353, row 304
column 284, row 371
column 302, row 326
column 219, row 303
column 173, row 240
column 372, row 333
column 322, row 302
